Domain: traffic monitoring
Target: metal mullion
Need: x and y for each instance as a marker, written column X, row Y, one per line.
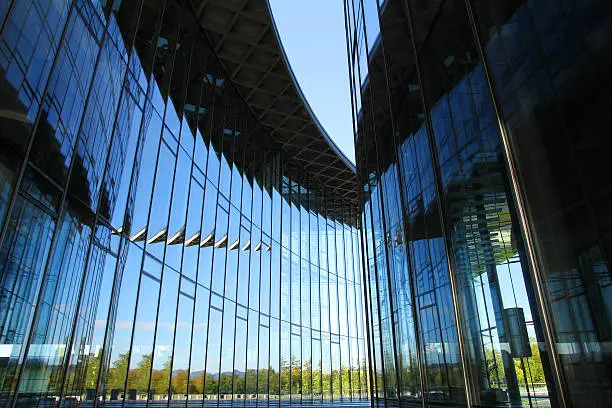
column 321, row 220
column 335, row 250
column 124, row 245
column 383, row 219
column 354, row 301
column 327, row 214
column 270, row 275
column 237, row 259
column 259, row 312
column 524, row 220
column 178, row 299
column 310, row 195
column 299, row 254
column 404, row 208
column 348, row 331
column 350, row 51
column 148, row 103
column 64, row 193
column 261, row 218
column 195, row 296
column 229, row 111
column 203, row 85
column 368, row 307
column 211, row 147
column 246, row 351
column 377, row 291
column 122, row 92
column 442, row 211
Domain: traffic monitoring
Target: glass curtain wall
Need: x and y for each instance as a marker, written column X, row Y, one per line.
column 152, row 250
column 480, row 133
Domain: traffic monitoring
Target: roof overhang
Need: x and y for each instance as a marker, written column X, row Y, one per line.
column 245, row 39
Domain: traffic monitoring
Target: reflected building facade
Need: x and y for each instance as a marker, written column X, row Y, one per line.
column 481, row 141
column 161, row 242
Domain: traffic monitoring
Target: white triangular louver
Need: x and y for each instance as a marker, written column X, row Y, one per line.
column 235, row 245
column 208, row 241
column 247, row 246
column 193, row 240
column 159, row 237
column 222, row 243
column 177, row 238
column 139, row 236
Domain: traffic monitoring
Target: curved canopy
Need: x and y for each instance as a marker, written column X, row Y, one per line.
column 244, row 37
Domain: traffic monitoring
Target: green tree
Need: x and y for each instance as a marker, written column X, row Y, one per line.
column 179, row 382
column 93, row 369
column 533, row 369
column 160, row 379
column 117, row 373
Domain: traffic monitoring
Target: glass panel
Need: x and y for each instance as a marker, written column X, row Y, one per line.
column 227, row 351
column 264, row 363
column 213, row 360
column 124, row 320
column 252, row 355
column 199, row 343
column 240, row 359
column 547, row 62
column 141, row 355
column 164, row 337
column 23, row 254
column 181, row 382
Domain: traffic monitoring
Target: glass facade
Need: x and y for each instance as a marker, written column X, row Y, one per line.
column 157, row 246
column 481, row 142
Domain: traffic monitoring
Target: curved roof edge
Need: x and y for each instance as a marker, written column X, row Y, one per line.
column 244, row 36
column 329, row 140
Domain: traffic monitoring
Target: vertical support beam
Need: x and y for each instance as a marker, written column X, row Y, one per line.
column 443, row 218
column 523, row 219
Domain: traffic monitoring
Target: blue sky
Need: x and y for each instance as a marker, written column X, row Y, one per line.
column 312, row 33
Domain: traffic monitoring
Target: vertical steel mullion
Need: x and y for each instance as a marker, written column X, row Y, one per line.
column 226, row 111
column 280, row 263
column 523, row 217
column 109, row 332
column 144, row 252
column 346, row 303
column 403, row 208
column 203, row 86
column 269, row 290
column 327, row 213
column 195, row 295
column 369, row 312
column 229, row 111
column 237, row 263
column 123, row 90
column 259, row 311
column 308, row 211
column 347, row 30
column 442, row 215
column 180, row 275
column 64, row 193
column 320, row 314
column 337, row 205
column 383, row 218
column 212, row 257
column 374, row 255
